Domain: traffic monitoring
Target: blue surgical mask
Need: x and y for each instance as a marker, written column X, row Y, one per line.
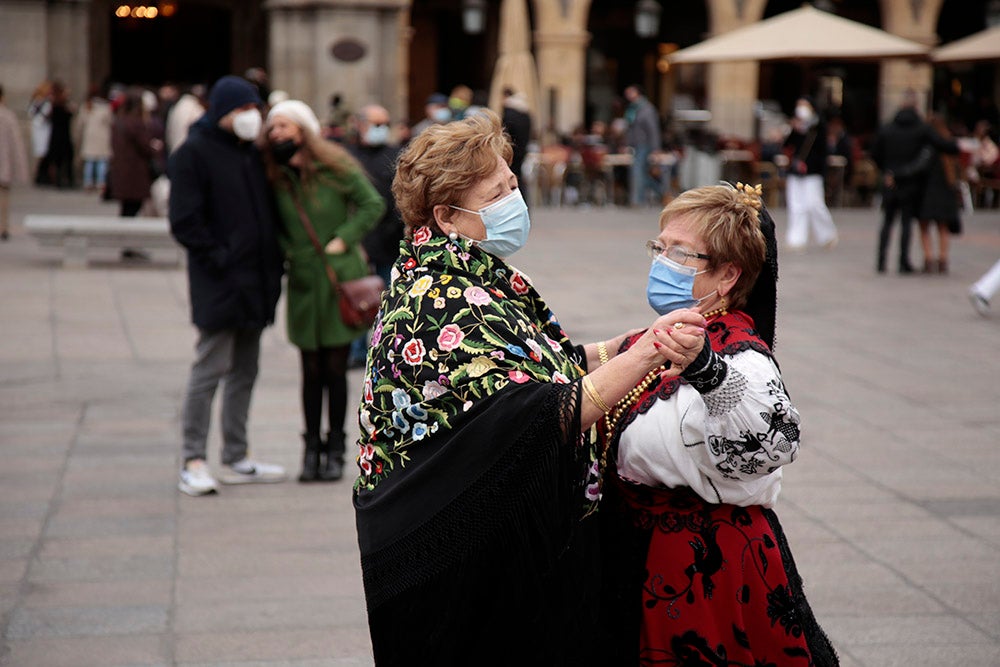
column 507, row 225
column 377, row 135
column 441, row 114
column 670, row 285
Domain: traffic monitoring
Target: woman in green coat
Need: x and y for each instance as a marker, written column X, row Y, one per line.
column 319, row 180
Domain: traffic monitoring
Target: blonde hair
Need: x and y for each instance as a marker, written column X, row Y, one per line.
column 444, row 162
column 728, row 221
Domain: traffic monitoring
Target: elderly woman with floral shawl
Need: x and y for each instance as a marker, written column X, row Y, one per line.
column 478, row 463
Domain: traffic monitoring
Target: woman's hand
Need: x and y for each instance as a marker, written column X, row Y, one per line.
column 676, row 337
column 336, row 246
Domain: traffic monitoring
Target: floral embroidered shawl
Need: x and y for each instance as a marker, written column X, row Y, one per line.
column 457, row 325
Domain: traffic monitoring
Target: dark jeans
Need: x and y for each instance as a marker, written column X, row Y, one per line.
column 906, row 207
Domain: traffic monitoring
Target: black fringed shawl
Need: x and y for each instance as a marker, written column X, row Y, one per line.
column 474, row 474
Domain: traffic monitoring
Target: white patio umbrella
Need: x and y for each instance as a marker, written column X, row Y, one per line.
column 515, row 66
column 806, row 33
column 983, row 45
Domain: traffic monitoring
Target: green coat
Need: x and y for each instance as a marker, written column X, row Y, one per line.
column 345, row 206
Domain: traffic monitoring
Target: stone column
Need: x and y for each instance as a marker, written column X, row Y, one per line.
column 562, row 60
column 732, row 88
column 914, row 20
column 561, row 40
column 24, row 61
column 354, row 47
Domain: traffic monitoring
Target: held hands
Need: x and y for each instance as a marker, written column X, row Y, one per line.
column 676, row 337
column 336, row 246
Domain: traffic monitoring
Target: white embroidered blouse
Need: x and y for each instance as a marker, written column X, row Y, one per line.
column 727, row 440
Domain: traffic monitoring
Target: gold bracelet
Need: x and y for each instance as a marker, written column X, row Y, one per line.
column 595, row 398
column 602, row 352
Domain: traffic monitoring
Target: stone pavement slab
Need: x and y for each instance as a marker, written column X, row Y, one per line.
column 892, row 510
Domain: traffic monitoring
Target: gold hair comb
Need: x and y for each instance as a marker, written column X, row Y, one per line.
column 751, row 195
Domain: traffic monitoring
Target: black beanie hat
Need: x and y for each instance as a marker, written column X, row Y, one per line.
column 228, row 93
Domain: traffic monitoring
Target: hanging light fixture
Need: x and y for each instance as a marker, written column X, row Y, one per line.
column 647, row 18
column 473, row 16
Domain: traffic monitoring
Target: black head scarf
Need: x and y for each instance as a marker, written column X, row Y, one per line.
column 762, row 303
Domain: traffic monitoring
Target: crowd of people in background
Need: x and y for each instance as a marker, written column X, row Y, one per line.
column 116, row 140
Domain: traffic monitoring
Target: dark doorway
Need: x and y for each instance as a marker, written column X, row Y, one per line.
column 443, row 55
column 193, row 45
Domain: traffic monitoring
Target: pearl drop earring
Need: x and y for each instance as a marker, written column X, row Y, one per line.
column 453, row 236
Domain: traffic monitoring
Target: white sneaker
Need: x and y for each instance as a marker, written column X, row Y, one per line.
column 248, row 471
column 196, row 479
column 980, row 303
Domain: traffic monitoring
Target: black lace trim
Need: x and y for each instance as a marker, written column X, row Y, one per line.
column 823, row 653
column 711, row 374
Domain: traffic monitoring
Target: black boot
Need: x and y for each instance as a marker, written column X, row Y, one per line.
column 332, row 461
column 310, row 458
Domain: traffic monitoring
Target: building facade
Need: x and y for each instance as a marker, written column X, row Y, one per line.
column 397, row 52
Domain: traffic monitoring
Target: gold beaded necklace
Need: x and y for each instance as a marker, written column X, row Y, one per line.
column 622, row 407
column 625, row 404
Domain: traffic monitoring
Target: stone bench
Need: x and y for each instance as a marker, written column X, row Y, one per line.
column 76, row 234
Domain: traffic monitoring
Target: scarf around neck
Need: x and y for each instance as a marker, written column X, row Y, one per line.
column 457, row 326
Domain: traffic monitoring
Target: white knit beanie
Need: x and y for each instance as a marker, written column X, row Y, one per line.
column 298, row 112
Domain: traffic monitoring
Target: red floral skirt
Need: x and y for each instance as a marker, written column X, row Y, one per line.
column 717, row 585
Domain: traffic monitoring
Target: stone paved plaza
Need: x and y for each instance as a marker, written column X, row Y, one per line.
column 892, row 510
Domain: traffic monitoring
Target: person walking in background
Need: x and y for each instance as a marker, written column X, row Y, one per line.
column 60, row 153
column 897, row 144
column 222, row 212
column 92, row 128
column 436, row 112
column 377, row 156
column 805, row 180
column 516, row 121
column 459, row 101
column 40, row 113
column 182, row 115
column 326, row 205
column 940, row 196
column 981, row 292
column 13, row 162
column 132, row 150
column 644, row 138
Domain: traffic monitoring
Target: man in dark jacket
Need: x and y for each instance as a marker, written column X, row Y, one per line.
column 517, row 121
column 897, row 144
column 377, row 155
column 222, row 212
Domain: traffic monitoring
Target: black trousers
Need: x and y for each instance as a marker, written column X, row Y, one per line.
column 906, row 208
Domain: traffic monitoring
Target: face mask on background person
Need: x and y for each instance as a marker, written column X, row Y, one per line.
column 441, row 114
column 803, row 112
column 247, row 124
column 284, row 150
column 670, row 284
column 507, row 224
column 377, row 135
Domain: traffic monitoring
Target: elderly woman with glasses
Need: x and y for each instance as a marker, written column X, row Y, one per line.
column 697, row 569
column 478, row 460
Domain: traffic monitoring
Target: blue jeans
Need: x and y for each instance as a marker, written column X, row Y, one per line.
column 95, row 173
column 640, row 180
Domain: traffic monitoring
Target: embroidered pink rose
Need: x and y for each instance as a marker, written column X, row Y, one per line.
column 451, row 336
column 421, row 236
column 519, row 284
column 413, row 352
column 519, row 377
column 477, row 296
column 554, row 346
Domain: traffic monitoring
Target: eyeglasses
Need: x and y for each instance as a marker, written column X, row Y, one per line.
column 677, row 253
